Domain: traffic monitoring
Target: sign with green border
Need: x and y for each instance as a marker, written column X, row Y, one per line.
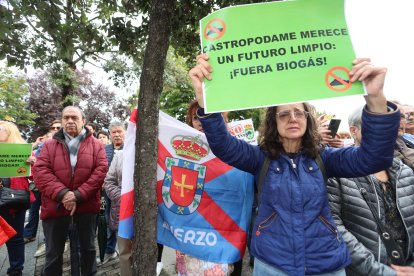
column 13, row 159
column 277, row 53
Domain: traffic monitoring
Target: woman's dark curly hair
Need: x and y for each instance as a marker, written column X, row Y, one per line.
column 269, row 136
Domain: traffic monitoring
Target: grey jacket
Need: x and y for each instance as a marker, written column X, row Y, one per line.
column 112, row 186
column 405, row 153
column 357, row 224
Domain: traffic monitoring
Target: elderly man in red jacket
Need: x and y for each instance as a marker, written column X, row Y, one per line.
column 69, row 173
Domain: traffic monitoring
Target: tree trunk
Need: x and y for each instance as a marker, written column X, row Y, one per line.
column 68, row 85
column 151, row 83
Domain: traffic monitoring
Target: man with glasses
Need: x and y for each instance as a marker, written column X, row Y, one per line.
column 402, row 150
column 408, row 136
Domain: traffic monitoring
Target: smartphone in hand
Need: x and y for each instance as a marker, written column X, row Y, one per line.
column 334, row 126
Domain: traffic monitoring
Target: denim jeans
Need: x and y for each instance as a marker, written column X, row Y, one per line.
column 30, row 230
column 263, row 269
column 15, row 245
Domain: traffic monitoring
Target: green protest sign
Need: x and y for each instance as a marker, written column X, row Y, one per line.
column 13, row 159
column 275, row 53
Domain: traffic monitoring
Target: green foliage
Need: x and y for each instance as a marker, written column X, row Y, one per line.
column 71, row 100
column 58, row 31
column 175, row 101
column 257, row 115
column 62, row 75
column 185, row 24
column 64, row 33
column 122, row 70
column 177, row 91
column 13, row 99
column 57, row 34
column 13, row 46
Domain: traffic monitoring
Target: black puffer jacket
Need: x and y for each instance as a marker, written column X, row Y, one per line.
column 357, row 224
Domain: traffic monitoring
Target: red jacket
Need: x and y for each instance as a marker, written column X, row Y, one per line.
column 53, row 175
column 21, row 183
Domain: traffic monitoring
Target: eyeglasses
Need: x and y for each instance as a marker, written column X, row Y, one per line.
column 408, row 115
column 287, row 114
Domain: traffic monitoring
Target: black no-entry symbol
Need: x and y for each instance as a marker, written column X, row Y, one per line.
column 214, row 29
column 338, row 79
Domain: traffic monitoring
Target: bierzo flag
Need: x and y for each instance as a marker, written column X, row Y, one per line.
column 204, row 205
column 126, row 212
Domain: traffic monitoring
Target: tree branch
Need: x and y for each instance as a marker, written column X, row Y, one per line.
column 97, row 66
column 82, row 56
column 91, row 52
column 36, row 30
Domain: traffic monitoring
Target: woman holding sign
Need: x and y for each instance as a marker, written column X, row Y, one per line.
column 14, row 216
column 294, row 233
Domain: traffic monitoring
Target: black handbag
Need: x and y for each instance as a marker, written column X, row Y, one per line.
column 14, row 199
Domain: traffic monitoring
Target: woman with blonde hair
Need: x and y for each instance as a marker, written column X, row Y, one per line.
column 9, row 133
column 12, row 133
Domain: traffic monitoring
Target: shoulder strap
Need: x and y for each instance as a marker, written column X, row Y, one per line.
column 321, row 166
column 393, row 249
column 262, row 175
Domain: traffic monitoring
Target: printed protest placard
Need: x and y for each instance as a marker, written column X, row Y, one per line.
column 275, row 53
column 243, row 130
column 13, row 159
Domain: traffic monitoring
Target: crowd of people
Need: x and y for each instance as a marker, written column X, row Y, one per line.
column 326, row 206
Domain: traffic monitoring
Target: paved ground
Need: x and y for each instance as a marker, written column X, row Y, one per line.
column 33, row 266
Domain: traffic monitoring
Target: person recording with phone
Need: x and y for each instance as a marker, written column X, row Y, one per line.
column 328, row 129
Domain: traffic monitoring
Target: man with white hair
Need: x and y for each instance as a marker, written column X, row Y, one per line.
column 117, row 133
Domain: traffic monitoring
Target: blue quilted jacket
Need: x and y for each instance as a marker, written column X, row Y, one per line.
column 110, row 150
column 294, row 229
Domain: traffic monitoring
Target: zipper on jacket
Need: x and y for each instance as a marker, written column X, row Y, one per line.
column 330, row 227
column 293, row 163
column 266, row 223
column 363, row 191
column 398, row 208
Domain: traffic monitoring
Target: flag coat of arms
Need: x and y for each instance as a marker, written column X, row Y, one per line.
column 204, row 205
